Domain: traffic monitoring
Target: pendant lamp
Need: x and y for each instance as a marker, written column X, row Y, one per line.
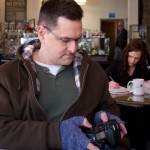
column 81, row 2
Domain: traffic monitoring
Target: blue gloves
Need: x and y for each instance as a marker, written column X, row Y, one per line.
column 110, row 116
column 72, row 137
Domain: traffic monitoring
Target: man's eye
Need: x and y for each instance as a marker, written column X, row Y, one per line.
column 65, row 40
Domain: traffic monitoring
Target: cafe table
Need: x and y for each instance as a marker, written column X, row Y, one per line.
column 135, row 111
column 129, row 99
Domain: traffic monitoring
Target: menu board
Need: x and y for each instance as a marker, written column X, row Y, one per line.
column 15, row 10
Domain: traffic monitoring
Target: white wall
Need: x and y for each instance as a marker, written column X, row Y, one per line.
column 95, row 10
column 132, row 12
column 33, row 8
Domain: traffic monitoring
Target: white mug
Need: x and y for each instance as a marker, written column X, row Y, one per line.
column 136, row 86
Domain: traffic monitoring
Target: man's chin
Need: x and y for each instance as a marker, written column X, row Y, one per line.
column 67, row 62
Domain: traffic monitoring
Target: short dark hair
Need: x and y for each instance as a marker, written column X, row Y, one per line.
column 121, row 22
column 51, row 10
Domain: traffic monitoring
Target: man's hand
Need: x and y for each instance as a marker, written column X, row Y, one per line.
column 72, row 136
column 90, row 146
column 123, row 130
column 104, row 117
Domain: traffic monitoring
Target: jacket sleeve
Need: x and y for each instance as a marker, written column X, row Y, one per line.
column 123, row 39
column 21, row 127
column 100, row 89
column 22, row 134
column 108, row 103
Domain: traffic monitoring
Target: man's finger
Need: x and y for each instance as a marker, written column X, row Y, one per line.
column 123, row 129
column 104, row 117
column 90, row 146
column 86, row 123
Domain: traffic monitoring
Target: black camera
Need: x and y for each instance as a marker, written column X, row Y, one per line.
column 105, row 133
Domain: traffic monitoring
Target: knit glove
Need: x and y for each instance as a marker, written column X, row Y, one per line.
column 72, row 137
column 110, row 116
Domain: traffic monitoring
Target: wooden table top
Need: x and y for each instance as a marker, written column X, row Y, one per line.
column 131, row 100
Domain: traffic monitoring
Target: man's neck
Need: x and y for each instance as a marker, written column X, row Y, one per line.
column 39, row 57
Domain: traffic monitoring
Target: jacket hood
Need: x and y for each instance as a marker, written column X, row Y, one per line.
column 25, row 52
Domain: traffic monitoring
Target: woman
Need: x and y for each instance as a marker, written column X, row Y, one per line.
column 133, row 64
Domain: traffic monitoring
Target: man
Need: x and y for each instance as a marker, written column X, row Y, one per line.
column 51, row 89
column 121, row 40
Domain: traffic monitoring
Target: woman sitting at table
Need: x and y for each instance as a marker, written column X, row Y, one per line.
column 133, row 64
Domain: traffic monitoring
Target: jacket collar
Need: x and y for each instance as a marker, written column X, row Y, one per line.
column 25, row 53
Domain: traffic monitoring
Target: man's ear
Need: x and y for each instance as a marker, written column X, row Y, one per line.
column 41, row 32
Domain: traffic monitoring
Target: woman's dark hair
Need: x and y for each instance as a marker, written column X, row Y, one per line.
column 135, row 45
column 51, row 10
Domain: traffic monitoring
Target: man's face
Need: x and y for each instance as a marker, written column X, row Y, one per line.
column 120, row 26
column 133, row 58
column 59, row 45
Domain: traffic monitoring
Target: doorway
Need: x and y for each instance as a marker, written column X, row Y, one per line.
column 109, row 27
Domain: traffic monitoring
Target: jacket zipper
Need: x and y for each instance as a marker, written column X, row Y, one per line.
column 84, row 76
column 33, row 88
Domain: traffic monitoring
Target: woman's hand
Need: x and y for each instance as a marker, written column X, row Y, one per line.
column 113, row 84
column 147, row 81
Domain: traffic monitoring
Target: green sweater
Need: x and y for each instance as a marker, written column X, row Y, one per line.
column 53, row 87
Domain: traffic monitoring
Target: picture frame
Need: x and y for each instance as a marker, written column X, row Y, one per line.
column 111, row 15
column 15, row 10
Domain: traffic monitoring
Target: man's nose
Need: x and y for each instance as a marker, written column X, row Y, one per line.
column 72, row 46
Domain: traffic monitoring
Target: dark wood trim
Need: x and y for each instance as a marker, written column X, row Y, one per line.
column 140, row 11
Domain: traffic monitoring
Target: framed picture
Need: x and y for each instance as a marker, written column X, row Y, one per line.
column 32, row 23
column 15, row 10
column 111, row 15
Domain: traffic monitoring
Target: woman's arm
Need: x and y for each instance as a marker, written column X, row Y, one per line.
column 112, row 73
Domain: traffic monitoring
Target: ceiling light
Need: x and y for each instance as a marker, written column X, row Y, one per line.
column 81, row 2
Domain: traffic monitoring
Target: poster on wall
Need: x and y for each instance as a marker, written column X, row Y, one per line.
column 111, row 15
column 15, row 10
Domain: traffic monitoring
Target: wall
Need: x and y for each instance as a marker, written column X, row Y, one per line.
column 132, row 12
column 94, row 10
column 33, row 7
